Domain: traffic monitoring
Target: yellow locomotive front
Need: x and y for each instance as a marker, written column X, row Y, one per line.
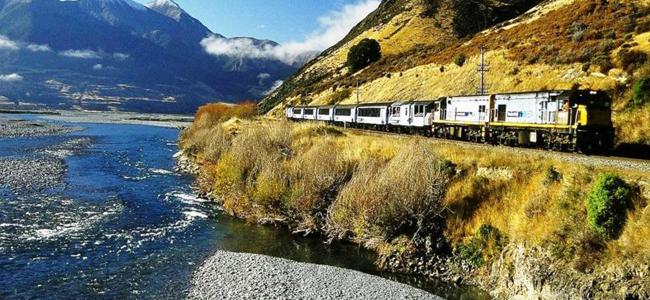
column 593, row 120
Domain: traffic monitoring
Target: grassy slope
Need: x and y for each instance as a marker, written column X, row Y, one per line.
column 556, row 45
column 362, row 187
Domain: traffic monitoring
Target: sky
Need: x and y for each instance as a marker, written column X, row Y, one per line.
column 283, row 21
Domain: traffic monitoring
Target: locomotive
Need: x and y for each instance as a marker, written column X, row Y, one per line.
column 564, row 120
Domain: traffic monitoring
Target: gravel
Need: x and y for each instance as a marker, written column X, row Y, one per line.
column 227, row 275
column 38, row 169
column 23, row 128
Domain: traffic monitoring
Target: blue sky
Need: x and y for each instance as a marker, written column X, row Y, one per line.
column 280, row 20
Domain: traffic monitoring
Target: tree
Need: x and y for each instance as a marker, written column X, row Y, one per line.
column 363, row 54
column 460, row 59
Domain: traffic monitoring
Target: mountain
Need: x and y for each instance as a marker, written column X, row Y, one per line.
column 529, row 45
column 121, row 55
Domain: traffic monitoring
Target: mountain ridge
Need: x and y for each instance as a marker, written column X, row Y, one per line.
column 94, row 46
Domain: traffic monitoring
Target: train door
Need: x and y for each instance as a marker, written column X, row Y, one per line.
column 482, row 115
column 501, row 113
column 439, row 110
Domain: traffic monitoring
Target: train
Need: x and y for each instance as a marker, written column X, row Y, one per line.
column 562, row 120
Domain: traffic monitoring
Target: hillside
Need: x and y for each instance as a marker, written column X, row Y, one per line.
column 531, row 45
column 121, row 55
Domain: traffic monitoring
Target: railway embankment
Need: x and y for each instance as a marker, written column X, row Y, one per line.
column 513, row 221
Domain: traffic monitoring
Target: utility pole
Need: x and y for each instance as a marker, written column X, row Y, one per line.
column 483, row 68
column 358, row 92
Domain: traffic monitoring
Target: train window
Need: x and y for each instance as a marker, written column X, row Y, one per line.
column 481, row 108
column 324, row 111
column 396, row 111
column 369, row 112
column 419, row 110
column 343, row 112
column 309, row 111
column 297, row 111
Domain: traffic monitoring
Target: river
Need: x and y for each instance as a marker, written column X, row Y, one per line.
column 122, row 224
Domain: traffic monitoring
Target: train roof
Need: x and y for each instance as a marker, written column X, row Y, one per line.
column 375, row 104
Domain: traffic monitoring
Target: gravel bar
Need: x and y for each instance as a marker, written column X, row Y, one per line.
column 24, row 128
column 227, row 275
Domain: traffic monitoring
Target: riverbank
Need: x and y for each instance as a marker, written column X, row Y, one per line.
column 107, row 117
column 510, row 221
column 227, row 275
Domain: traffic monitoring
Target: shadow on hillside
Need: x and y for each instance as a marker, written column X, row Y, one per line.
column 639, row 151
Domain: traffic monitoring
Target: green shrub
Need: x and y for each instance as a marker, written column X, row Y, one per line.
column 363, row 54
column 460, row 59
column 641, row 91
column 607, row 205
column 483, row 246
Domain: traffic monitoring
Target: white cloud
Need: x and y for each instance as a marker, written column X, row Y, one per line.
column 81, row 54
column 39, row 48
column 121, row 56
column 14, row 77
column 98, row 67
column 275, row 86
column 333, row 27
column 7, row 44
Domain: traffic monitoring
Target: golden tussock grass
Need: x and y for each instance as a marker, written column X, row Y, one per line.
column 373, row 187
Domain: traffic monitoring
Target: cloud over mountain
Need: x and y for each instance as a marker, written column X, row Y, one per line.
column 14, row 77
column 81, row 54
column 7, row 44
column 333, row 27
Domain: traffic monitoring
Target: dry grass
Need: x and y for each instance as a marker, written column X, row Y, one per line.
column 393, row 197
column 368, row 187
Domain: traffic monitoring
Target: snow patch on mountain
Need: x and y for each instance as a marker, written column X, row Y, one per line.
column 168, row 8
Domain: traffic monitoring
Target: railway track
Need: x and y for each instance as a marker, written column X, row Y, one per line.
column 614, row 162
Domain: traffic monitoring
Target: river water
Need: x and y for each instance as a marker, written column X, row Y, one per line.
column 122, row 224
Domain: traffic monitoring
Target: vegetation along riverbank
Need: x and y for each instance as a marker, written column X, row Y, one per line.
column 513, row 221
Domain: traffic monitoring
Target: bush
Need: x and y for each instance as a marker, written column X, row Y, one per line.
column 632, row 60
column 607, row 205
column 603, row 62
column 363, row 54
column 460, row 59
column 392, row 198
column 483, row 246
column 222, row 111
column 641, row 91
column 339, row 96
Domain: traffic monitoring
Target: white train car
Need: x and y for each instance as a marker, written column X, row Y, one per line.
column 309, row 113
column 411, row 116
column 463, row 109
column 288, row 112
column 296, row 113
column 421, row 113
column 325, row 114
column 531, row 108
column 345, row 114
column 395, row 117
column 373, row 115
